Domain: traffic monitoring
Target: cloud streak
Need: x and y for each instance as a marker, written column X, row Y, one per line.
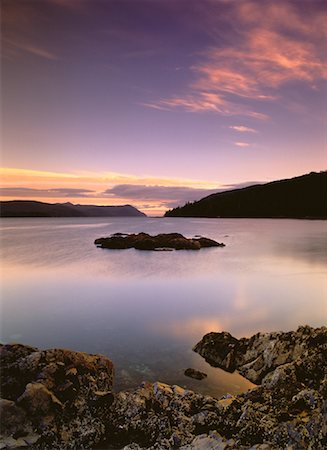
column 107, row 188
column 242, row 144
column 54, row 192
column 13, row 47
column 273, row 44
column 242, row 129
column 168, row 196
column 146, row 194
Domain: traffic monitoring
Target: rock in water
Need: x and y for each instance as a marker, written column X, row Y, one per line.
column 53, row 399
column 289, row 408
column 144, row 241
column 196, row 374
column 261, row 354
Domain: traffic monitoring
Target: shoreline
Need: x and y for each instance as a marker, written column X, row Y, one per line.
column 60, row 399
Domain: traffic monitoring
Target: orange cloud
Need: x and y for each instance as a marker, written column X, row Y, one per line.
column 283, row 16
column 105, row 188
column 262, row 64
column 275, row 44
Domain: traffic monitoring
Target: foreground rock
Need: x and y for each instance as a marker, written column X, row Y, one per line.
column 53, row 399
column 144, row 241
column 257, row 358
column 288, row 410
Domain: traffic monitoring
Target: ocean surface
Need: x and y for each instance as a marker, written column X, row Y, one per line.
column 146, row 310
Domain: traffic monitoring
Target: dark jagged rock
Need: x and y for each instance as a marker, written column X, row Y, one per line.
column 61, row 399
column 196, row 374
column 53, row 399
column 218, row 349
column 261, row 354
column 143, row 241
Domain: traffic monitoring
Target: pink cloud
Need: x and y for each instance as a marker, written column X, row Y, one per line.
column 205, row 102
column 242, row 144
column 258, row 67
column 243, row 129
column 275, row 44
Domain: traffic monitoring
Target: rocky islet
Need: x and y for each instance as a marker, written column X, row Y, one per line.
column 58, row 399
column 164, row 241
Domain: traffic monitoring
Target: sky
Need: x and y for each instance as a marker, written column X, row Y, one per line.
column 158, row 102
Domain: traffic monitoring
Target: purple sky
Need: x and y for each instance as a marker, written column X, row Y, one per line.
column 157, row 102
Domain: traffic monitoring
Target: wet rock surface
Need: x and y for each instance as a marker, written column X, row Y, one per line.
column 53, row 399
column 260, row 355
column 143, row 241
column 287, row 410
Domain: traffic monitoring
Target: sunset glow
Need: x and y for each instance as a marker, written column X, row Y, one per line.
column 159, row 103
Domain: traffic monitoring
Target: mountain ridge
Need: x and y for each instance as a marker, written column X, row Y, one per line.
column 31, row 208
column 298, row 197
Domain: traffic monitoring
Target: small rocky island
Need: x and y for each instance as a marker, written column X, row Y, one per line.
column 144, row 241
column 60, row 399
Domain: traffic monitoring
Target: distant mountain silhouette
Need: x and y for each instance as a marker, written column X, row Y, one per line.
column 29, row 208
column 300, row 197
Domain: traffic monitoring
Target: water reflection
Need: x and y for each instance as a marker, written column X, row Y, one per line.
column 146, row 310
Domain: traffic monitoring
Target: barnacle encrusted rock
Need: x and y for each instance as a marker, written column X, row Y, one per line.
column 53, row 399
column 58, row 399
column 261, row 354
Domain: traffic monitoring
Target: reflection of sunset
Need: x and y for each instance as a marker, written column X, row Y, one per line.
column 196, row 326
column 241, row 302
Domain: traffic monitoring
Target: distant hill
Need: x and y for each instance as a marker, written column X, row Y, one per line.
column 29, row 208
column 300, row 197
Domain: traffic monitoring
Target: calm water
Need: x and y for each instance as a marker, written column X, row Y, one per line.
column 146, row 310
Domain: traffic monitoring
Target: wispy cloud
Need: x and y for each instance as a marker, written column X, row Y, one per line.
column 40, row 52
column 263, row 63
column 91, row 180
column 228, row 187
column 50, row 193
column 205, row 102
column 242, row 144
column 12, row 47
column 168, row 196
column 243, row 129
column 273, row 44
column 106, row 188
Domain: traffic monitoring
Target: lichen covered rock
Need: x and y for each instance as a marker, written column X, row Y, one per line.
column 53, row 399
column 58, row 399
column 261, row 354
